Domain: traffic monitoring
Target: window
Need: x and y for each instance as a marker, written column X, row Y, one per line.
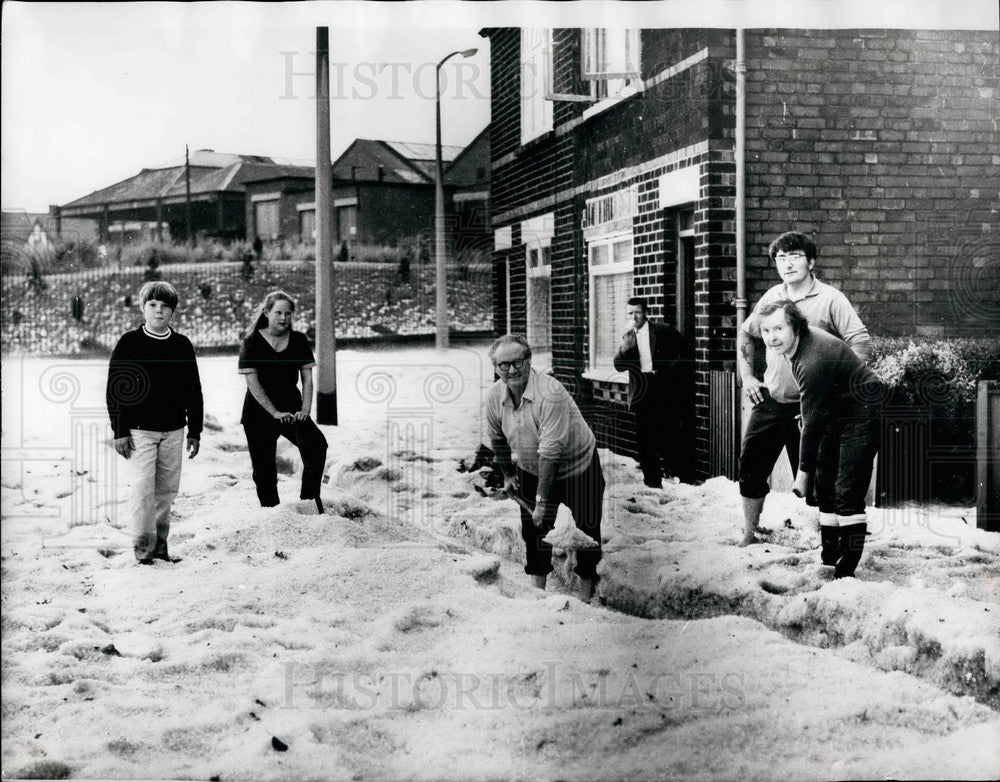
column 536, row 62
column 536, row 234
column 307, row 225
column 347, row 223
column 610, row 262
column 266, row 222
column 539, row 262
column 611, row 61
column 685, row 272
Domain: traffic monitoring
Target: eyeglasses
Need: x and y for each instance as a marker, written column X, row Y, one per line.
column 517, row 363
column 785, row 256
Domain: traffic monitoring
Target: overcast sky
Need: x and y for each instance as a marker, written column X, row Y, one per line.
column 92, row 93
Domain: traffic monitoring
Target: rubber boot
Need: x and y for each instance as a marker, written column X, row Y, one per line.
column 852, row 544
column 829, row 538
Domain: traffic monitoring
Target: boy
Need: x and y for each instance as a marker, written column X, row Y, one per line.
column 153, row 387
column 774, row 418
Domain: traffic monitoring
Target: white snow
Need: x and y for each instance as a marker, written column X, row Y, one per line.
column 396, row 636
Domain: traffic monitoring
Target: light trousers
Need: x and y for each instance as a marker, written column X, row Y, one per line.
column 155, row 477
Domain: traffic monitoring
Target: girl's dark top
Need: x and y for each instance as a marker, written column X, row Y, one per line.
column 153, row 384
column 278, row 373
column 833, row 383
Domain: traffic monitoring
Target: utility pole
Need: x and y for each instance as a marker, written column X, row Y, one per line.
column 440, row 259
column 187, row 195
column 326, row 341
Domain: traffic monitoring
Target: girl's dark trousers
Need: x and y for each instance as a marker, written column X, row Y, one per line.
column 262, row 440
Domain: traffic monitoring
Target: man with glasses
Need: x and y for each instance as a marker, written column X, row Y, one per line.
column 774, row 420
column 533, row 421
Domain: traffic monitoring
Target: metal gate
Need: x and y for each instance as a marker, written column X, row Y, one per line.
column 723, row 424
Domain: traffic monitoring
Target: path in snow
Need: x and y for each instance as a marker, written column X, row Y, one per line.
column 373, row 646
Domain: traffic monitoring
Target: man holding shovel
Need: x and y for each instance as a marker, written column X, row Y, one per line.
column 533, row 421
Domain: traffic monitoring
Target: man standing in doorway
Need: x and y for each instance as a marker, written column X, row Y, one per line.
column 774, row 420
column 657, row 358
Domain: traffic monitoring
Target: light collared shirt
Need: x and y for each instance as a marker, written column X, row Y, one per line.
column 642, row 342
column 546, row 424
column 824, row 308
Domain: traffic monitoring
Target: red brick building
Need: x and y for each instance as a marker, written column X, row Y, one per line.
column 614, row 174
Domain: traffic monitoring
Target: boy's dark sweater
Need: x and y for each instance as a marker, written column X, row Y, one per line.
column 154, row 384
column 833, row 382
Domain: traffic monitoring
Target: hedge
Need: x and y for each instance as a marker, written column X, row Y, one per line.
column 929, row 433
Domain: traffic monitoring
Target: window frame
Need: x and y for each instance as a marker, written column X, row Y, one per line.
column 270, row 203
column 343, row 210
column 598, row 74
column 302, row 220
column 596, row 369
column 536, row 236
column 535, row 67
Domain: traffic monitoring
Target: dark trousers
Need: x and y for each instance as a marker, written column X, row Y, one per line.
column 771, row 426
column 844, row 460
column 583, row 494
column 262, row 440
column 660, row 415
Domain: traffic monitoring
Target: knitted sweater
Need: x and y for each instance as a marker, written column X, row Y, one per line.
column 833, row 382
column 153, row 383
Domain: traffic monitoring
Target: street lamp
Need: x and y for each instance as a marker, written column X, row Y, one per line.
column 439, row 257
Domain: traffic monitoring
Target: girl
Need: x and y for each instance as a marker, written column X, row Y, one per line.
column 273, row 359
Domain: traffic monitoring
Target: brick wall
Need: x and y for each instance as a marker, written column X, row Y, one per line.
column 884, row 145
column 682, row 111
column 505, row 86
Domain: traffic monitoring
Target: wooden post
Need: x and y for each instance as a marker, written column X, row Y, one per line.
column 988, row 456
column 187, row 195
column 326, row 344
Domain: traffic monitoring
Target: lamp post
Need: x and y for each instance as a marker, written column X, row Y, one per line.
column 439, row 253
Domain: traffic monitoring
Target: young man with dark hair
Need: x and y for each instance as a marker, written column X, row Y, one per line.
column 841, row 413
column 153, row 390
column 773, row 422
column 657, row 358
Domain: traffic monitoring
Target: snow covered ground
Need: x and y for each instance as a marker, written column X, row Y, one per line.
column 396, row 636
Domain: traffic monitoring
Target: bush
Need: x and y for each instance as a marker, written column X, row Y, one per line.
column 935, row 372
column 77, row 255
column 207, row 251
column 303, row 252
column 141, row 253
column 928, row 443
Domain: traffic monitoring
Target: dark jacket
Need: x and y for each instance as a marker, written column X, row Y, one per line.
column 672, row 357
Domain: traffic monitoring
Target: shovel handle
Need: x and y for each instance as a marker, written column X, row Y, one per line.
column 522, row 503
